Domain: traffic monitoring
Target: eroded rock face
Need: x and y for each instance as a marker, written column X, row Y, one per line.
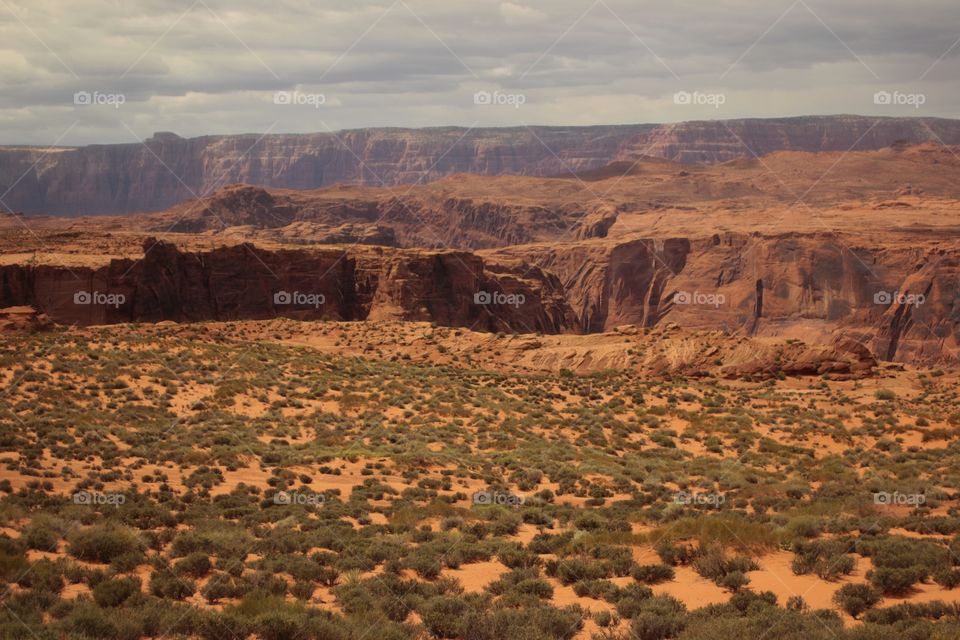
column 901, row 301
column 130, row 177
column 454, row 288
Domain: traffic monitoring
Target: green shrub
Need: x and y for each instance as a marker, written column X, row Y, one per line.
column 164, row 583
column 947, row 578
column 103, row 543
column 673, row 554
column 652, row 573
column 89, row 621
column 40, row 536
column 596, row 589
column 445, row 616
column 196, row 564
column 114, row 592
column 856, row 598
column 225, row 625
column 659, row 618
column 44, row 575
column 734, row 581
column 302, row 590
column 893, row 581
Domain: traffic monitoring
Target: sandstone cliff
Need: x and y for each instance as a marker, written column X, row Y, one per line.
column 901, row 300
column 168, row 169
column 249, row 282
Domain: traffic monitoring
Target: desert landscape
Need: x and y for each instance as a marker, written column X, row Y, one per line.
column 652, row 399
column 507, row 320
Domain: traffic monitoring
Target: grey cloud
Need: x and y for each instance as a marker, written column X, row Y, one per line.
column 205, row 77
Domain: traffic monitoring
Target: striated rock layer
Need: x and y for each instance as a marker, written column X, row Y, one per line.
column 900, row 300
column 167, row 169
column 249, row 282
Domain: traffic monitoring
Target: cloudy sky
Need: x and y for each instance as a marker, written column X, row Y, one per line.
column 86, row 71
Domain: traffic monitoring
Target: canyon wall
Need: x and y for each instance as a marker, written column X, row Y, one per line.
column 901, row 301
column 453, row 288
column 167, row 169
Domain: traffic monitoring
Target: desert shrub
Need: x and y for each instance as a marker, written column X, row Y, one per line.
column 517, row 557
column 196, row 564
column 660, row 617
column 89, row 621
column 674, row 554
column 219, row 586
column 41, row 535
column 629, row 601
column 127, row 562
column 529, row 623
column 714, row 564
column 103, row 543
column 522, row 582
column 281, row 624
column 828, row 559
column 895, row 581
column 13, row 560
column 596, row 589
column 354, row 597
column 570, row 570
column 856, row 598
column 445, row 616
column 226, row 625
column 221, row 540
column 425, row 562
column 164, row 583
column 911, row 611
column 549, row 542
column 947, row 578
column 899, row 563
column 734, row 581
column 302, row 590
column 605, row 619
column 114, row 592
column 506, row 523
column 328, row 576
column 44, row 575
column 652, row 573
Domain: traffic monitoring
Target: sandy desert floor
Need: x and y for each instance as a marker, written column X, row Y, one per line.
column 366, row 470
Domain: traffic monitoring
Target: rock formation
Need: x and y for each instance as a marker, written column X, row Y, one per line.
column 167, row 169
column 244, row 281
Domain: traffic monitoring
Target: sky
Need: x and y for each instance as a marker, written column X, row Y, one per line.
column 111, row 71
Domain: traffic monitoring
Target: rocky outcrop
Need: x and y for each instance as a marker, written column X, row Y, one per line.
column 167, row 169
column 901, row 301
column 453, row 288
column 23, row 320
